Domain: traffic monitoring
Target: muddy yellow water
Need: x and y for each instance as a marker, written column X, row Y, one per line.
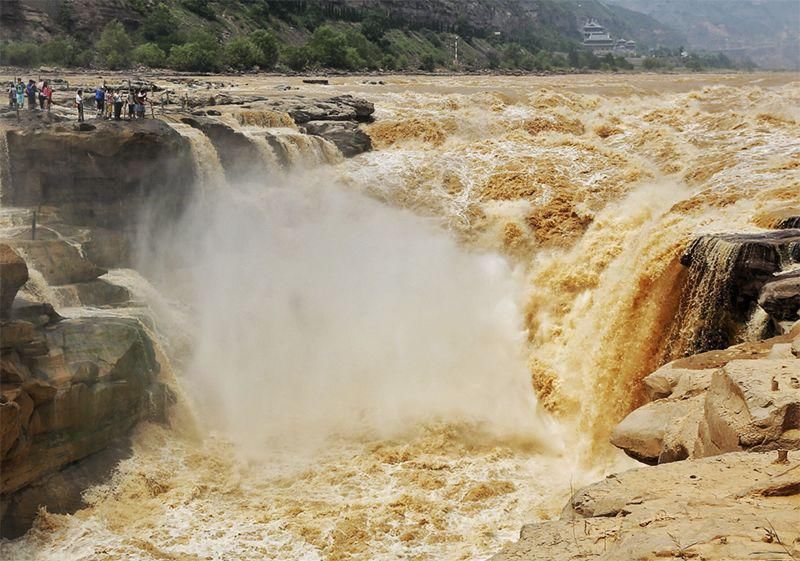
column 591, row 187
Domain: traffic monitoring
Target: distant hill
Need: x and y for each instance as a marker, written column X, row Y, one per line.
column 359, row 34
column 766, row 31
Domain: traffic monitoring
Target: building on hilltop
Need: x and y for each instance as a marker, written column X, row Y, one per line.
column 598, row 40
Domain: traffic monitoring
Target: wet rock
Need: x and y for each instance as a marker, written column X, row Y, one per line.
column 780, row 297
column 98, row 292
column 713, row 509
column 13, row 274
column 726, row 275
column 59, row 261
column 240, row 158
column 37, row 313
column 97, row 380
column 348, row 137
column 338, row 108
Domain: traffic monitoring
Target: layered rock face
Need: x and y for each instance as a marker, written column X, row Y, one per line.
column 70, row 389
column 99, row 173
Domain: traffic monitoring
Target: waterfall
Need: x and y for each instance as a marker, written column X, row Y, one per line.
column 209, row 168
column 297, row 149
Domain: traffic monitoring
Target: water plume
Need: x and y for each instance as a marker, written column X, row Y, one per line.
column 321, row 311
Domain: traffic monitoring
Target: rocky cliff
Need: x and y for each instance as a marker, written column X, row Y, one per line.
column 70, row 389
column 97, row 173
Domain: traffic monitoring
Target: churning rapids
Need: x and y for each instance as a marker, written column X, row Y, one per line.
column 411, row 353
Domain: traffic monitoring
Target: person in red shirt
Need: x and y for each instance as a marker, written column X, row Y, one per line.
column 47, row 96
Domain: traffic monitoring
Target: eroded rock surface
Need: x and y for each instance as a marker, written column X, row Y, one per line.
column 734, row 506
column 745, row 398
column 70, row 389
column 13, row 274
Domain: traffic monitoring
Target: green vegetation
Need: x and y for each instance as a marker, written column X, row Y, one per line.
column 217, row 35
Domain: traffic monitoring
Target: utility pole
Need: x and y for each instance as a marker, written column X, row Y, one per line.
column 455, row 55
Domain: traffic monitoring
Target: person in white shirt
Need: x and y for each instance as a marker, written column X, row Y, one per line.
column 79, row 104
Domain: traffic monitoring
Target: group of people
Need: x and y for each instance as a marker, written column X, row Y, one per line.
column 109, row 103
column 41, row 92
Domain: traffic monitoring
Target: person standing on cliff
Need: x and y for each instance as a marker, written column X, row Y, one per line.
column 31, row 89
column 47, row 96
column 117, row 105
column 99, row 99
column 79, row 104
column 109, row 103
column 20, row 94
column 131, row 104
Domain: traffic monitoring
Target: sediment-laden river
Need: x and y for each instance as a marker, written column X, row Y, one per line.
column 410, row 353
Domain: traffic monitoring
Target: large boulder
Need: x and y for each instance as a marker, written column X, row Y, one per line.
column 95, row 380
column 752, row 405
column 13, row 274
column 743, row 398
column 59, row 261
column 734, row 506
column 347, row 136
column 338, row 108
column 661, row 431
column 780, row 297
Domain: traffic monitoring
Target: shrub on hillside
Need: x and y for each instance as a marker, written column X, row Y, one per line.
column 19, row 54
column 200, row 54
column 201, row 8
column 241, row 53
column 149, row 54
column 296, row 58
column 268, row 45
column 114, row 46
column 428, row 62
column 161, row 27
column 61, row 51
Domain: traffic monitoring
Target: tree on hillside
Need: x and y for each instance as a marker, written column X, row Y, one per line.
column 241, row 53
column 267, row 45
column 201, row 8
column 328, row 47
column 150, row 55
column 199, row 54
column 66, row 15
column 296, row 58
column 374, row 26
column 161, row 27
column 114, row 46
